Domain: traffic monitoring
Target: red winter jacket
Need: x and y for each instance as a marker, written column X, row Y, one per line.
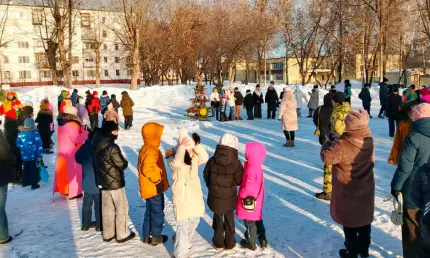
column 8, row 108
column 94, row 107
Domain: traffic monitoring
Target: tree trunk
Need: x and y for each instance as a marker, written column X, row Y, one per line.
column 136, row 62
column 98, row 63
column 51, row 51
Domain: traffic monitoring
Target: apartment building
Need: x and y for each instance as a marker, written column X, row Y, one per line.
column 23, row 61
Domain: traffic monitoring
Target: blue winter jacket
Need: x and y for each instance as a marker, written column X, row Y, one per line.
column 104, row 100
column 75, row 98
column 415, row 153
column 30, row 145
column 84, row 157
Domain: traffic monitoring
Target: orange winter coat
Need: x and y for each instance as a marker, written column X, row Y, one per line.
column 151, row 164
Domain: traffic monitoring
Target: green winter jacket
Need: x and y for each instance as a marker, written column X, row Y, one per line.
column 415, row 153
column 338, row 118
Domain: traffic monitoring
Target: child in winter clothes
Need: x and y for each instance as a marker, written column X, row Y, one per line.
column 92, row 197
column 222, row 174
column 347, row 91
column 115, row 103
column 75, row 97
column 249, row 104
column 392, row 106
column 366, row 98
column 223, row 108
column 127, row 109
column 238, row 101
column 26, row 112
column 186, row 188
column 30, row 145
column 104, row 101
column 253, row 186
column 93, row 110
column 110, row 114
column 44, row 119
column 353, row 196
column 231, row 102
column 83, row 115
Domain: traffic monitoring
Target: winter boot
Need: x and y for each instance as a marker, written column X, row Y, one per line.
column 292, row 144
column 130, row 237
column 158, row 240
column 34, row 187
column 263, row 241
column 323, row 196
column 248, row 245
column 288, row 144
column 343, row 253
column 87, row 227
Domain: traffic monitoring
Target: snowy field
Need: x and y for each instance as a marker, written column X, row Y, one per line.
column 298, row 224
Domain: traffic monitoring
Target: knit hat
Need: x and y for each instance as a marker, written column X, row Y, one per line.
column 88, row 92
column 425, row 91
column 357, row 120
column 109, row 127
column 70, row 110
column 230, row 141
column 113, row 96
column 44, row 106
column 95, row 93
column 421, row 111
column 395, row 89
column 28, row 104
column 75, row 90
column 339, row 97
column 29, row 123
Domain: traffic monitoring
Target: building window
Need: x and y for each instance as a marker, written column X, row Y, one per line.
column 37, row 15
column 89, row 59
column 75, row 73
column 106, row 73
column 22, row 44
column 116, row 46
column 105, row 59
column 5, row 59
column 7, row 75
column 23, row 59
column 104, row 46
column 91, row 73
column 116, row 59
column 88, row 45
column 117, row 72
column 24, row 75
column 279, row 76
column 45, row 74
column 75, row 59
column 85, row 20
column 104, row 34
column 103, row 20
column 38, row 43
column 277, row 66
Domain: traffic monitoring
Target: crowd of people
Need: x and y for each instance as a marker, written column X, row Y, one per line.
column 91, row 165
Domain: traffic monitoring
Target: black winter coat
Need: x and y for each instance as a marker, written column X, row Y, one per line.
column 115, row 104
column 272, row 100
column 109, row 163
column 222, row 174
column 239, row 98
column 392, row 105
column 365, row 97
column 383, row 93
column 44, row 120
column 249, row 101
column 7, row 162
column 258, row 99
column 323, row 113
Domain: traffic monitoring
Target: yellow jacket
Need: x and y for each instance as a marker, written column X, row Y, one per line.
column 151, row 164
column 338, row 118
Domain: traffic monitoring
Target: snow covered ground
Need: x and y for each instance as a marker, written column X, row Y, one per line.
column 298, row 224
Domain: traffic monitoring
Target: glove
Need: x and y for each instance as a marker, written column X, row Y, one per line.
column 196, row 138
column 394, row 193
column 160, row 187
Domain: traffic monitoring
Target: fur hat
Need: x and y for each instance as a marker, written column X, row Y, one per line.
column 70, row 110
column 230, row 141
column 29, row 123
column 421, row 111
column 339, row 97
column 183, row 134
column 356, row 120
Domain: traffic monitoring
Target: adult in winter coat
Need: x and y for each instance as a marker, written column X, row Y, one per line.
column 187, row 193
column 298, row 93
column 104, row 101
column 322, row 117
column 272, row 101
column 383, row 95
column 222, row 174
column 109, row 165
column 94, row 109
column 415, row 153
column 239, row 102
column 253, row 185
column 127, row 109
column 420, row 193
column 153, row 183
column 231, row 103
column 215, row 102
column 347, row 91
column 44, row 119
column 392, row 106
column 314, row 100
column 8, row 174
column 288, row 116
column 249, row 104
column 258, row 100
column 353, row 197
column 340, row 111
column 115, row 103
column 75, row 97
column 365, row 97
column 68, row 173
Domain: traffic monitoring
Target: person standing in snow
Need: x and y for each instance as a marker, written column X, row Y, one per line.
column 366, row 98
column 30, row 145
column 288, row 116
column 314, row 100
column 65, row 101
column 44, row 119
column 222, row 174
column 127, row 109
column 26, row 112
column 298, row 93
column 215, row 100
column 239, row 102
column 61, row 98
column 258, row 100
column 415, row 153
column 93, row 110
column 272, row 101
column 223, row 107
column 249, row 104
column 115, row 103
column 153, row 183
column 92, row 195
column 231, row 102
column 347, row 91
column 83, row 115
column 104, row 101
column 332, row 90
column 109, row 165
column 392, row 106
column 353, row 197
column 110, row 114
column 383, row 96
column 187, row 192
column 8, row 174
column 252, row 186
column 75, row 97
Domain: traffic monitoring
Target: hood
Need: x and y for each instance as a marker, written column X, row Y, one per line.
column 361, row 139
column 255, row 153
column 151, row 134
column 225, row 155
column 328, row 100
column 422, row 126
column 100, row 142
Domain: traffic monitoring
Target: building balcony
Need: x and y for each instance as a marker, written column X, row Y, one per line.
column 89, row 35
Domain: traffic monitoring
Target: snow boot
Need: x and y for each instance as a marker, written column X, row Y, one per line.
column 158, row 240
column 292, row 144
column 34, row 187
column 87, row 227
column 130, row 237
column 288, row 144
column 323, row 196
column 248, row 245
column 343, row 253
column 263, row 241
